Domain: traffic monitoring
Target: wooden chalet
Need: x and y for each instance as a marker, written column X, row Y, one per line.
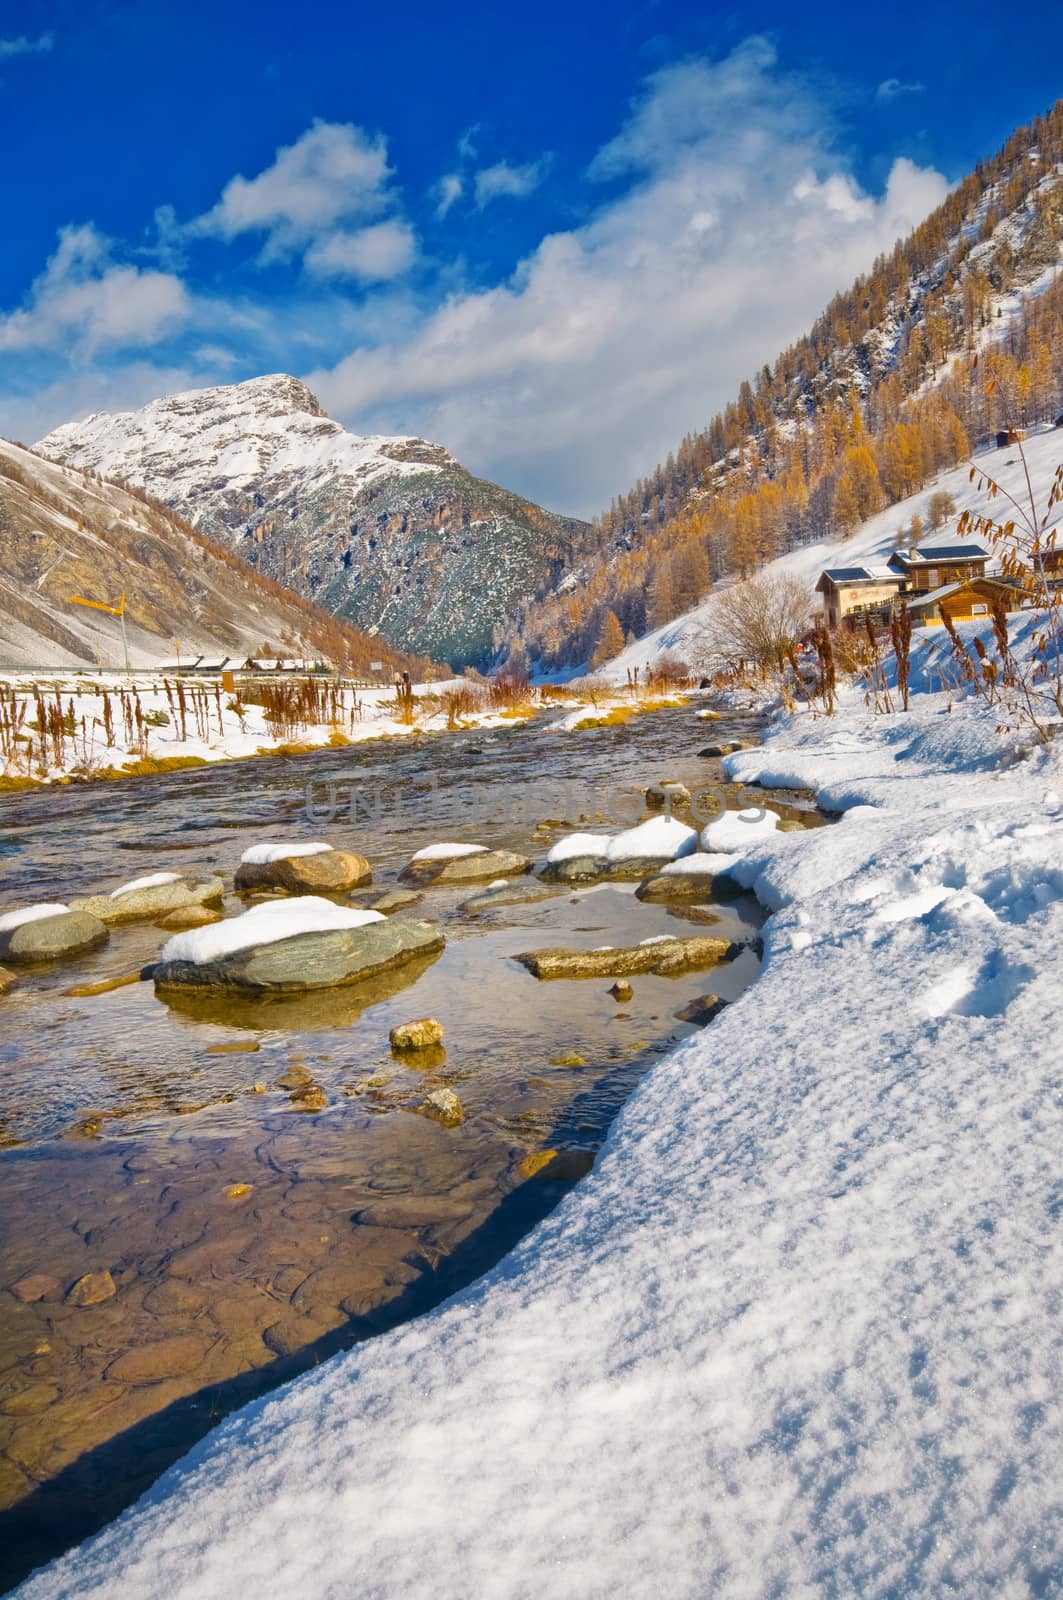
column 964, row 601
column 931, row 566
column 856, row 592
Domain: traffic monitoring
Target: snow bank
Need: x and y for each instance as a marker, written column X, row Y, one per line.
column 659, row 838
column 735, row 831
column 700, row 861
column 448, row 852
column 797, row 1334
column 154, row 880
column 260, row 855
column 15, row 919
column 579, row 844
column 264, row 924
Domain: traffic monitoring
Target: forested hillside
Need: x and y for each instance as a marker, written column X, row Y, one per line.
column 883, row 392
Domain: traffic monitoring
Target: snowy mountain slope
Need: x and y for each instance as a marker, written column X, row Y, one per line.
column 391, row 533
column 873, row 542
column 63, row 532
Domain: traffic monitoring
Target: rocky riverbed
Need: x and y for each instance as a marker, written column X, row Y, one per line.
column 205, row 1192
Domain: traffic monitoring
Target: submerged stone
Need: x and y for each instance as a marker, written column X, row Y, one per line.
column 91, row 1289
column 525, row 892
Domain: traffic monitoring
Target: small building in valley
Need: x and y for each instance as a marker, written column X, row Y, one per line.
column 965, row 601
column 931, row 566
column 858, row 591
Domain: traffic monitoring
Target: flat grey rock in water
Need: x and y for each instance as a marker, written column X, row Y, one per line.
column 307, row 960
column 156, row 900
column 68, row 933
column 465, row 869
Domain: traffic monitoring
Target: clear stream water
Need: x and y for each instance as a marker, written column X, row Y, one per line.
column 122, row 1122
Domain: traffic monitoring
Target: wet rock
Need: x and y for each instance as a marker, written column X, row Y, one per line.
column 189, row 917
column 160, row 1358
column 80, row 991
column 173, row 1298
column 534, row 1162
column 525, row 892
column 465, row 868
column 327, row 871
column 391, row 900
column 702, row 1010
column 790, row 827
column 568, row 1058
column 622, row 990
column 29, row 1399
column 311, row 1097
column 8, row 980
column 564, row 1166
column 237, row 1191
column 289, row 1335
column 575, row 869
column 662, row 887
column 67, row 933
column 307, row 961
column 152, row 901
column 91, row 1289
column 443, row 1105
column 667, row 793
column 665, row 957
column 727, row 748
column 418, row 1035
column 295, row 1077
column 233, row 1047
column 37, row 1286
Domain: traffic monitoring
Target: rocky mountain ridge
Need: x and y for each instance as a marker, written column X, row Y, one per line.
column 390, row 533
column 64, row 531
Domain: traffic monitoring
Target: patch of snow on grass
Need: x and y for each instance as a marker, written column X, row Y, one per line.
column 264, row 924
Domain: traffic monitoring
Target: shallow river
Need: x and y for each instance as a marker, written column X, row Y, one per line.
column 122, row 1122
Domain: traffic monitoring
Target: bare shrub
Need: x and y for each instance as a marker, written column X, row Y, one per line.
column 756, row 624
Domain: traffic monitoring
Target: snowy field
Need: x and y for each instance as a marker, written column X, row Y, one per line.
column 219, row 730
column 799, row 1332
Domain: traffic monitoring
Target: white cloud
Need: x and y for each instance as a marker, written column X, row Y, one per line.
column 890, row 88
column 448, row 190
column 611, row 340
column 372, row 255
column 24, row 46
column 503, row 180
column 85, row 301
column 333, row 173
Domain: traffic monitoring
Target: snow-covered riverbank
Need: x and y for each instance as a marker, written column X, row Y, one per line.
column 798, row 1333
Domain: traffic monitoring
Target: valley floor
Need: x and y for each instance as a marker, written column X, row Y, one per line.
column 799, row 1332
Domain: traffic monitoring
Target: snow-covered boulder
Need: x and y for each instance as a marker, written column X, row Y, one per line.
column 582, row 857
column 307, row 868
column 48, row 932
column 697, row 877
column 154, row 896
column 462, row 863
column 288, row 947
column 736, row 831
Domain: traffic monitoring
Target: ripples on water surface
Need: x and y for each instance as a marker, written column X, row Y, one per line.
column 124, row 1128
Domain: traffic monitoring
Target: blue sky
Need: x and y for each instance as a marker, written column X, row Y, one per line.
column 554, row 240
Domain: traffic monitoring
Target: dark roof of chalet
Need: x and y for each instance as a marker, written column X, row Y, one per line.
column 931, row 554
column 857, row 575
